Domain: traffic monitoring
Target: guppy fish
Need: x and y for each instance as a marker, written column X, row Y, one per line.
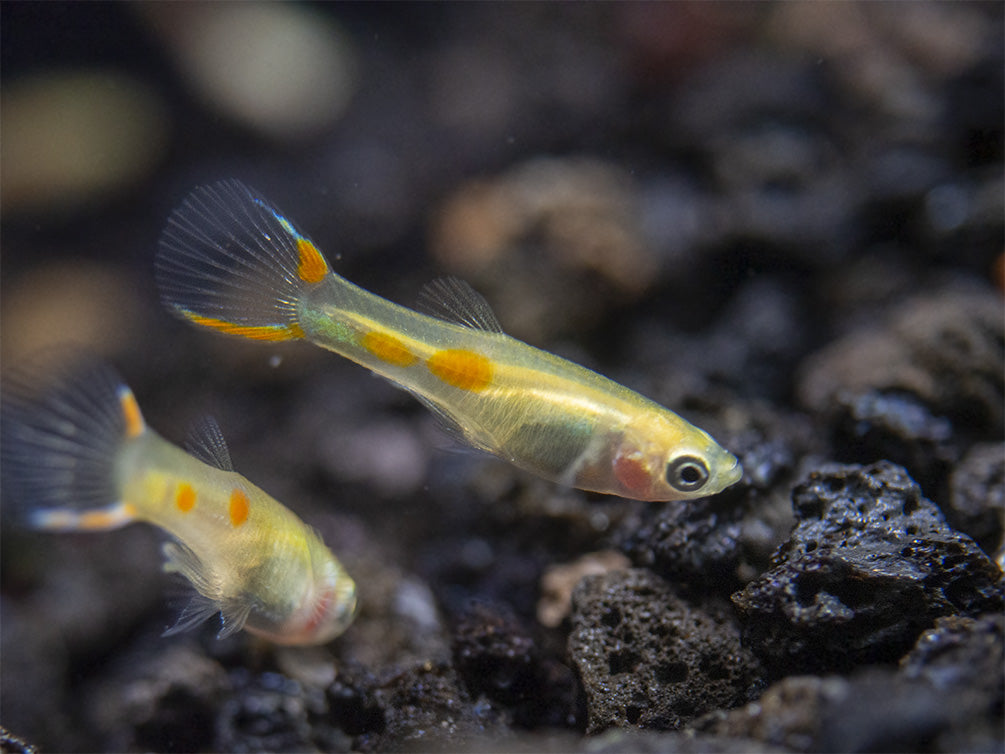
column 231, row 262
column 77, row 455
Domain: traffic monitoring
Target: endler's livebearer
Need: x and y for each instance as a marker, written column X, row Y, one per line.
column 230, row 261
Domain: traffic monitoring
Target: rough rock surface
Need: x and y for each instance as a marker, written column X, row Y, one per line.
column 944, row 348
column 977, row 496
column 499, row 660
column 869, row 565
column 945, row 697
column 647, row 658
column 697, row 543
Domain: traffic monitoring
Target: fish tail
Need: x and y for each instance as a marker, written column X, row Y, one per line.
column 230, row 261
column 61, row 430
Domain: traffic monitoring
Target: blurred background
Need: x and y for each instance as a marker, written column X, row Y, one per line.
column 692, row 198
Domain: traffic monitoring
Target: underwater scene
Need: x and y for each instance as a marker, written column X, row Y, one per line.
column 609, row 377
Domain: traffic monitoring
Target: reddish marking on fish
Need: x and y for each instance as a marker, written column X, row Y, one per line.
column 632, row 474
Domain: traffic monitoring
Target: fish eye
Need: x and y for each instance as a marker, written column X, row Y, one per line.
column 687, row 473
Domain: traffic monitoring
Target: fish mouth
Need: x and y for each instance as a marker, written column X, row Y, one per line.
column 733, row 474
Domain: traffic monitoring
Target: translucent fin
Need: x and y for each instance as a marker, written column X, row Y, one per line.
column 233, row 617
column 230, row 261
column 206, row 602
column 198, row 610
column 62, row 426
column 180, row 559
column 453, row 300
column 205, row 442
column 450, row 427
column 202, row 605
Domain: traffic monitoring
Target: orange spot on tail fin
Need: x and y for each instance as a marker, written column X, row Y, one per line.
column 312, row 267
column 61, row 519
column 270, row 333
column 131, row 413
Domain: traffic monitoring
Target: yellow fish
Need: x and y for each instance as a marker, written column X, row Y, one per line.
column 77, row 455
column 230, row 261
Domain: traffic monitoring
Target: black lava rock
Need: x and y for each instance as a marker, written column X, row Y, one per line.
column 963, row 653
column 945, row 697
column 895, row 426
column 977, row 495
column 869, row 565
column 944, row 348
column 497, row 658
column 647, row 658
column 426, row 706
column 687, row 541
column 270, row 712
column 890, row 713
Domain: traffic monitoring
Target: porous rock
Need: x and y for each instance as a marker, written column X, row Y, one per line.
column 945, row 348
column 268, row 712
column 687, row 541
column 977, row 495
column 946, row 696
column 647, row 658
column 962, row 652
column 895, row 426
column 869, row 565
column 159, row 701
column 890, row 713
column 424, row 707
column 498, row 659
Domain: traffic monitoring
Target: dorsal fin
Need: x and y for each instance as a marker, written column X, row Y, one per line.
column 205, row 442
column 453, row 300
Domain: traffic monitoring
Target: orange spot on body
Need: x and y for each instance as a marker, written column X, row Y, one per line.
column 312, row 267
column 185, row 498
column 131, row 413
column 388, row 348
column 633, row 475
column 464, row 369
column 272, row 333
column 239, row 507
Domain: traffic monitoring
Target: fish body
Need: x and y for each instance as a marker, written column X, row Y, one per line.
column 77, row 455
column 230, row 261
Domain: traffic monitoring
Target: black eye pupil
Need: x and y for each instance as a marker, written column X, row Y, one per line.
column 687, row 474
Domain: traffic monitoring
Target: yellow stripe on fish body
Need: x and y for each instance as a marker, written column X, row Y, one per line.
column 248, row 557
column 230, row 261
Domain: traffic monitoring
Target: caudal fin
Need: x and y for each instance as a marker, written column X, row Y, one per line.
column 230, row 261
column 61, row 430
